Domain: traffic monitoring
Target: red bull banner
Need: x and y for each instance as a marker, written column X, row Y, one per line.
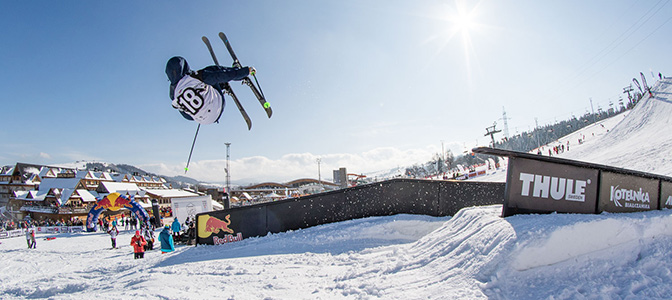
column 114, row 202
column 217, row 229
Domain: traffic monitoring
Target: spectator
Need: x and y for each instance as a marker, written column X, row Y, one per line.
column 149, row 237
column 166, row 240
column 176, row 227
column 138, row 242
column 30, row 238
column 113, row 232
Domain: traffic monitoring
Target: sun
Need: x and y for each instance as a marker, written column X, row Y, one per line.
column 463, row 22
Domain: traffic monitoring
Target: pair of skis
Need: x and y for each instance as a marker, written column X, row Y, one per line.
column 646, row 86
column 256, row 89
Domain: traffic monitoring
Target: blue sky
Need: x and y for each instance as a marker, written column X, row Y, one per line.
column 367, row 85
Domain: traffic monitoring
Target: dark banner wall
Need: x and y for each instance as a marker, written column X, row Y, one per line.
column 397, row 196
column 665, row 194
column 539, row 184
column 626, row 193
column 547, row 187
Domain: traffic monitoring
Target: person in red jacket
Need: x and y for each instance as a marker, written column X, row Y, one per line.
column 138, row 242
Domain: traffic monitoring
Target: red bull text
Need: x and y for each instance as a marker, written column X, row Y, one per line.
column 227, row 239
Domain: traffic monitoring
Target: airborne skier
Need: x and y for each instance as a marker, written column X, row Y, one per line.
column 198, row 94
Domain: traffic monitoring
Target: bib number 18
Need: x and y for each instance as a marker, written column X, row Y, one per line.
column 190, row 100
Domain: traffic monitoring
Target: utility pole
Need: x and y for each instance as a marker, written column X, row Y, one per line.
column 443, row 158
column 228, row 172
column 536, row 129
column 591, row 108
column 319, row 174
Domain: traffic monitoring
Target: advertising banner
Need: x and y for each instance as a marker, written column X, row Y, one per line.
column 627, row 193
column 41, row 230
column 11, row 233
column 540, row 186
column 665, row 194
column 188, row 207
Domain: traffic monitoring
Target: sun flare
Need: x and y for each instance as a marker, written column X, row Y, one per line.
column 463, row 22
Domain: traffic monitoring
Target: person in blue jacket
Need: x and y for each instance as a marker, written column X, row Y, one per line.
column 166, row 240
column 176, row 227
column 198, row 94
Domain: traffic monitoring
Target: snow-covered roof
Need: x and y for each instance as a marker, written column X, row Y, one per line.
column 171, row 193
column 60, row 183
column 8, row 171
column 216, row 205
column 120, row 187
column 47, row 172
column 84, row 174
column 31, row 195
column 104, row 176
column 87, row 196
column 119, row 177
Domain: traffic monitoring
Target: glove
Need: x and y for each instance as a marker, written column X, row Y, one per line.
column 253, row 71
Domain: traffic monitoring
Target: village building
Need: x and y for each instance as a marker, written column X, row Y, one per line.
column 46, row 192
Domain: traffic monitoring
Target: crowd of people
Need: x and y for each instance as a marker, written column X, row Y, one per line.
column 6, row 225
column 142, row 241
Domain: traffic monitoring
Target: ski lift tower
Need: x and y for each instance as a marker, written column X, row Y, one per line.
column 506, row 123
column 491, row 132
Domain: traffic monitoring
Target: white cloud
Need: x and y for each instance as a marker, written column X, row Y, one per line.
column 256, row 169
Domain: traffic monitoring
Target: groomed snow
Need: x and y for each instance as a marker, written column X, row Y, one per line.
column 474, row 255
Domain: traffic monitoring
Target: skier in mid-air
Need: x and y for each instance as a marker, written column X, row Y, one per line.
column 198, row 94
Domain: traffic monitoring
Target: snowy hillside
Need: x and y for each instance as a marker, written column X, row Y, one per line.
column 473, row 255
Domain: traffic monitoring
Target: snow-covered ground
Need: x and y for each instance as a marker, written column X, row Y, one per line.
column 473, row 255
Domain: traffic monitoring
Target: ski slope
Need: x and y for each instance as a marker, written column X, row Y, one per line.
column 472, row 255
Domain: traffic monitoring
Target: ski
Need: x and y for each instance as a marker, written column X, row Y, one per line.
column 637, row 84
column 227, row 86
column 646, row 86
column 256, row 90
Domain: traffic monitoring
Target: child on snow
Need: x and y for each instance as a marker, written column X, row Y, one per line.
column 138, row 242
column 30, row 238
column 113, row 232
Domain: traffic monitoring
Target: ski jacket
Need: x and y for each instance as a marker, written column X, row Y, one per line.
column 197, row 95
column 149, row 235
column 166, row 240
column 176, row 226
column 138, row 242
column 113, row 232
column 202, row 102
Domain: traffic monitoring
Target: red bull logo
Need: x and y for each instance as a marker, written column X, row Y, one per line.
column 114, row 202
column 209, row 225
column 227, row 239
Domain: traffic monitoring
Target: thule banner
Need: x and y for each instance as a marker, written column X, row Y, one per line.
column 537, row 186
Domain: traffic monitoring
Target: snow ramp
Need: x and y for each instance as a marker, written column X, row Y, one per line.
column 643, row 133
column 479, row 255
